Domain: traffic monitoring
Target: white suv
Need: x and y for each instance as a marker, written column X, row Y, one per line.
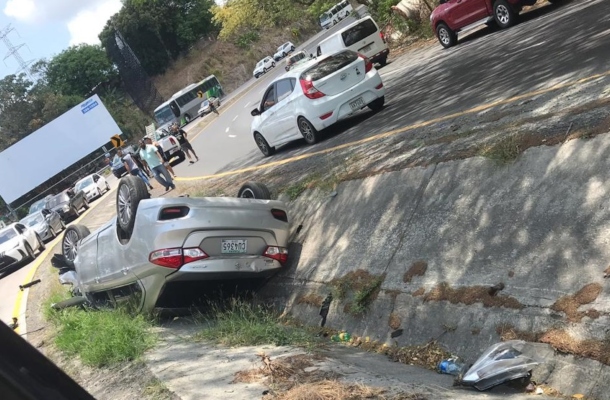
column 313, row 96
column 283, row 51
column 263, row 66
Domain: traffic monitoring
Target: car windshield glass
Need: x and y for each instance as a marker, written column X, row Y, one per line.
column 7, row 234
column 205, row 103
column 359, row 32
column 33, row 220
column 164, row 115
column 59, row 199
column 39, row 205
column 324, row 17
column 80, row 185
column 329, row 65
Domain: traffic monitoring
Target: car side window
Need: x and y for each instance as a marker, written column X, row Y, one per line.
column 284, row 88
column 319, row 51
column 269, row 99
column 20, row 228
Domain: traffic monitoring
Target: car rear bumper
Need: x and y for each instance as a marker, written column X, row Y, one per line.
column 382, row 55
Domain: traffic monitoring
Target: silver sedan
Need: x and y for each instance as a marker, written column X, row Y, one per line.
column 46, row 223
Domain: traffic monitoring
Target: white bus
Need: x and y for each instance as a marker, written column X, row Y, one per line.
column 184, row 105
column 338, row 12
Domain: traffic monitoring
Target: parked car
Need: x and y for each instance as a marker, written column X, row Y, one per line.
column 313, row 96
column 68, row 204
column 46, row 223
column 263, row 66
column 205, row 106
column 332, row 17
column 153, row 245
column 40, row 204
column 283, row 51
column 169, row 144
column 93, row 185
column 362, row 36
column 17, row 244
column 296, row 58
column 453, row 16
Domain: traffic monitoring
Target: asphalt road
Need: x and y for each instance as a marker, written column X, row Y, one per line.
column 552, row 44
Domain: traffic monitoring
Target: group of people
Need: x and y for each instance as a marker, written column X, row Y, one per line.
column 152, row 156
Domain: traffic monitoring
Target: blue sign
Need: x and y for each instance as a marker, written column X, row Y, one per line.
column 88, row 106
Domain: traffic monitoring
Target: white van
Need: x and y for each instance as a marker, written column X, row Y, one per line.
column 363, row 36
column 335, row 14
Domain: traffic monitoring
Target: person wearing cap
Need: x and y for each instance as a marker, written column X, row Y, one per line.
column 132, row 167
column 185, row 145
column 150, row 154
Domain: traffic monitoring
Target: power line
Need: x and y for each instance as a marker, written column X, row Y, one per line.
column 13, row 51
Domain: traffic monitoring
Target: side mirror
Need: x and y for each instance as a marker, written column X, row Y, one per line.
column 255, row 112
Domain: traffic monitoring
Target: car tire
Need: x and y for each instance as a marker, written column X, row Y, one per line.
column 29, row 252
column 72, row 236
column 263, row 145
column 75, row 212
column 384, row 61
column 187, row 118
column 107, row 187
column 86, row 205
column 377, row 104
column 272, row 65
column 53, row 233
column 264, row 70
column 130, row 192
column 63, row 225
column 41, row 246
column 445, row 35
column 310, row 134
column 504, row 14
column 292, row 48
column 254, row 190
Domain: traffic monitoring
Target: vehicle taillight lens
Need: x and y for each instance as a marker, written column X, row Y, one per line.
column 194, row 254
column 277, row 253
column 173, row 213
column 382, row 36
column 309, row 90
column 172, row 141
column 279, row 214
column 368, row 65
column 177, row 257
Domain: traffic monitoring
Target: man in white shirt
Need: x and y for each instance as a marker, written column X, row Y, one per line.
column 150, row 154
column 132, row 167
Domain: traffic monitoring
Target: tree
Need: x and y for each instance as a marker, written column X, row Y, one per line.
column 16, row 109
column 78, row 69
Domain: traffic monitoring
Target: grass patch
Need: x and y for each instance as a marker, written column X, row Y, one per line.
column 469, row 295
column 504, row 151
column 156, row 389
column 365, row 296
column 359, row 287
column 311, row 299
column 100, row 338
column 245, row 324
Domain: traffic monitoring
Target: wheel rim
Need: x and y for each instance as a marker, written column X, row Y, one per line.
column 247, row 194
column 502, row 14
column 70, row 245
column 306, row 130
column 187, row 118
column 124, row 205
column 443, row 35
column 262, row 144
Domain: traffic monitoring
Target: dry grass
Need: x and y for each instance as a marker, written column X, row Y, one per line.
column 418, row 268
column 394, row 321
column 511, row 274
column 475, row 331
column 359, row 287
column 419, row 292
column 469, row 295
column 427, row 355
column 570, row 304
column 311, row 299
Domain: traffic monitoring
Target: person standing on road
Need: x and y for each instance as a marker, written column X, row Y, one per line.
column 132, row 168
column 150, row 154
column 185, row 145
column 164, row 157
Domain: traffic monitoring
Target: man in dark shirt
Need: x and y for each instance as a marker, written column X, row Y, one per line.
column 185, row 145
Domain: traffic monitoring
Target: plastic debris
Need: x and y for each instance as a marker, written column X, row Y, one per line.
column 539, row 391
column 341, row 337
column 27, row 285
column 451, row 366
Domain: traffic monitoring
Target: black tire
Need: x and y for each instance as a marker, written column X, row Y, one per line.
column 41, row 246
column 130, row 192
column 107, row 187
column 445, row 35
column 30, row 252
column 284, row 55
column 264, row 70
column 310, row 134
column 384, row 61
column 63, row 225
column 86, row 204
column 263, row 145
column 254, row 190
column 53, row 233
column 187, row 118
column 75, row 212
column 272, row 65
column 256, row 76
column 377, row 104
column 72, row 236
column 504, row 14
column 292, row 48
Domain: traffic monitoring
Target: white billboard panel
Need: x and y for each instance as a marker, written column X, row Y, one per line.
column 54, row 147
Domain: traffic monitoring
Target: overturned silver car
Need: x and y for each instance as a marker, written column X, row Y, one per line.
column 155, row 243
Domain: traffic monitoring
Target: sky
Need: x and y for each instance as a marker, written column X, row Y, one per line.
column 49, row 26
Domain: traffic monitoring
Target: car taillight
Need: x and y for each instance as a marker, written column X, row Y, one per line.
column 277, row 253
column 309, row 90
column 173, row 213
column 279, row 214
column 382, row 36
column 368, row 65
column 172, row 140
column 177, row 257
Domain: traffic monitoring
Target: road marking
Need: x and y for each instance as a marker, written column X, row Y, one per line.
column 402, row 130
column 234, row 119
column 21, row 302
column 232, row 136
column 227, row 130
column 247, row 104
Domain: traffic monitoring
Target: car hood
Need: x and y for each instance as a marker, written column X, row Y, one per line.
column 11, row 244
column 60, row 206
column 258, row 69
column 278, row 54
column 39, row 227
column 89, row 188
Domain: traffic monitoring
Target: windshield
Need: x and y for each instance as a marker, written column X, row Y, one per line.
column 7, row 234
column 82, row 184
column 59, row 199
column 324, row 17
column 164, row 115
column 205, row 103
column 329, row 65
column 39, row 205
column 33, row 220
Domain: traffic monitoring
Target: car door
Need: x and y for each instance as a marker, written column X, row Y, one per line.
column 112, row 265
column 96, row 179
column 465, row 12
column 285, row 111
column 29, row 235
column 267, row 116
column 55, row 220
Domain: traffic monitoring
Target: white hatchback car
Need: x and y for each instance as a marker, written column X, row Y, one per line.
column 283, row 51
column 263, row 66
column 18, row 243
column 313, row 96
column 93, row 185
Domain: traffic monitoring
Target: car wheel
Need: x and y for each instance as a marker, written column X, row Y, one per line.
column 504, row 14
column 75, row 212
column 307, row 130
column 264, row 70
column 72, row 237
column 263, row 145
column 41, row 246
column 377, row 104
column 86, row 205
column 62, row 224
column 383, row 62
column 53, row 233
column 256, row 76
column 130, row 192
column 292, row 48
column 107, row 187
column 272, row 65
column 254, row 190
column 446, row 36
column 187, row 118
column 29, row 252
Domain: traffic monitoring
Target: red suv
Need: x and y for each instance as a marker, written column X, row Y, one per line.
column 452, row 16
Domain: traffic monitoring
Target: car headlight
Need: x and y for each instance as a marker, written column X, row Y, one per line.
column 66, row 208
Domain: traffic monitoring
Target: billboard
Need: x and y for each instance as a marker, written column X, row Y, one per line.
column 54, row 147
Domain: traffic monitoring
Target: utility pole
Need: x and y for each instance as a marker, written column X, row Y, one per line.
column 13, row 51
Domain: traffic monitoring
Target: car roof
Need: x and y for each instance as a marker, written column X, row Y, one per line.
column 339, row 32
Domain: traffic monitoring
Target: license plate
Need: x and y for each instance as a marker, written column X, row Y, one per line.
column 234, row 246
column 365, row 49
column 357, row 104
column 172, row 151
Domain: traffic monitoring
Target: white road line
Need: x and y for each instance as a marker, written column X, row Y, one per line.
column 235, row 118
column 247, row 104
column 232, row 136
column 227, row 130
